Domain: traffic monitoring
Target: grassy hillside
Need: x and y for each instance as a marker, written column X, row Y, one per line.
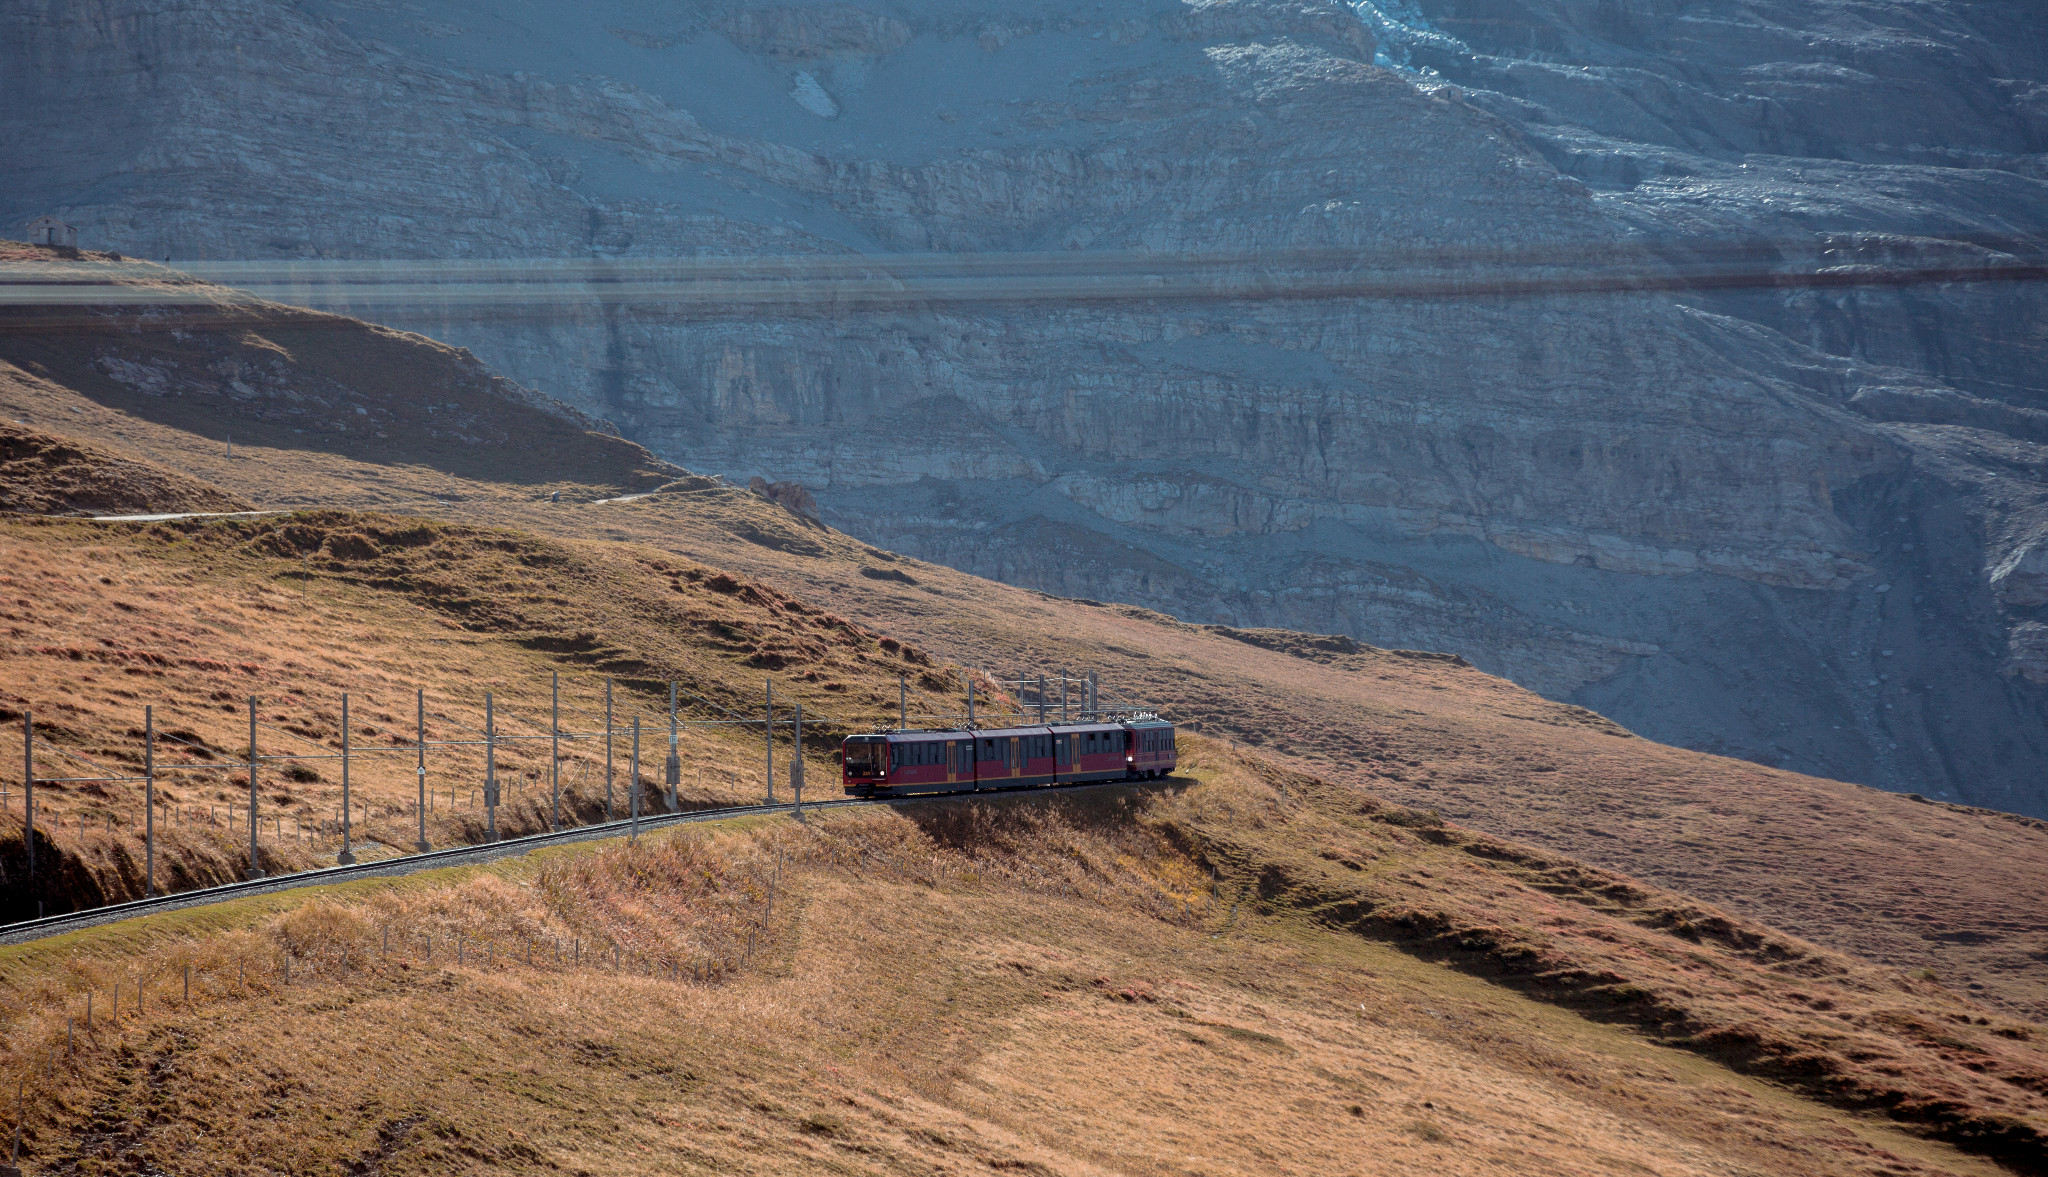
column 46, row 474
column 1248, row 972
column 195, row 617
column 1893, row 879
column 1287, row 959
column 350, row 408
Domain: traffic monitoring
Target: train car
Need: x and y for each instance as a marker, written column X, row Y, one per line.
column 1012, row 757
column 1090, row 752
column 894, row 764
column 1150, row 750
column 903, row 763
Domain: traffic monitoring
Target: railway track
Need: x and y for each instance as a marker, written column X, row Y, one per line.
column 56, row 925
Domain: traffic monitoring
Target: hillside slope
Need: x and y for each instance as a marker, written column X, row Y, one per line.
column 246, row 374
column 47, row 474
column 1887, row 877
column 197, row 618
column 1379, row 989
column 1019, row 984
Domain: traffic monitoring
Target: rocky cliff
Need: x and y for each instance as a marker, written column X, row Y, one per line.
column 1797, row 524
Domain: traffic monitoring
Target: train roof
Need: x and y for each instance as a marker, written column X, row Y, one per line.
column 990, row 733
column 1039, row 729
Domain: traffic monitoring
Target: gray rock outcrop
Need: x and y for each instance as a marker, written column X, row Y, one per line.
column 1800, row 524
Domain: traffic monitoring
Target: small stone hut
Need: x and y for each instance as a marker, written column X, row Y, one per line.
column 51, row 231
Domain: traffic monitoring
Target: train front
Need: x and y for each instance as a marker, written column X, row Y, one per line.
column 864, row 764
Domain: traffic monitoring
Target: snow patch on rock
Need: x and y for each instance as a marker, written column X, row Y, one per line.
column 812, row 97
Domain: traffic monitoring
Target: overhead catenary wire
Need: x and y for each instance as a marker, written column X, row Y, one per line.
column 416, row 745
column 723, row 287
column 46, row 744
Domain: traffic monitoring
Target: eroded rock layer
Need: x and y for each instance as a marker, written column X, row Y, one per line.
column 1801, row 525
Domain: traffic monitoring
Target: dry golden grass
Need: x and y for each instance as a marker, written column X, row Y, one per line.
column 1899, row 881
column 193, row 618
column 1032, row 985
column 47, row 474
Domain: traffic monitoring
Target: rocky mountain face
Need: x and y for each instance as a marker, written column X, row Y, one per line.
column 1800, row 525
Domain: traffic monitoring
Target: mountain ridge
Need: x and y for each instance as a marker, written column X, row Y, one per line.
column 1705, row 513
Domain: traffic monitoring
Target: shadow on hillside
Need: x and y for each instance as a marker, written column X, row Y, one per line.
column 321, row 384
column 1013, row 819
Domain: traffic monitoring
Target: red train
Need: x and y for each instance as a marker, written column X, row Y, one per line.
column 894, row 764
